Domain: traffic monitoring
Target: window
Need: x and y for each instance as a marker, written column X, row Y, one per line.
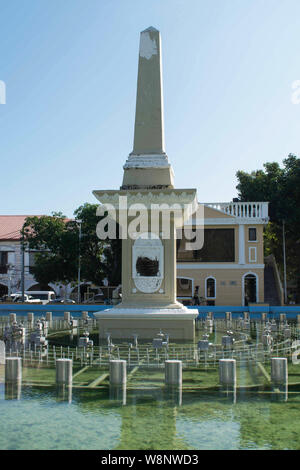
column 218, row 247
column 252, row 234
column 3, row 262
column 40, row 296
column 210, row 288
column 184, row 287
column 184, row 283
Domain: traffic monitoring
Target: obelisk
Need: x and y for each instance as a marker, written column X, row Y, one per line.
column 147, row 165
column 149, row 300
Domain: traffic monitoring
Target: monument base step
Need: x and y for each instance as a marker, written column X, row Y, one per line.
column 122, row 323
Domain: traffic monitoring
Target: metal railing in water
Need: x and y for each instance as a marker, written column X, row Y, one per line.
column 248, row 347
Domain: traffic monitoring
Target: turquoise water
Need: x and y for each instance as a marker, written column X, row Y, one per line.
column 148, row 416
column 150, row 419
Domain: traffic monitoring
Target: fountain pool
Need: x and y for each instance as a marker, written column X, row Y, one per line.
column 146, row 414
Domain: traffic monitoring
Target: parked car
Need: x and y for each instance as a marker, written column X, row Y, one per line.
column 44, row 296
column 28, row 299
column 32, row 297
column 61, row 300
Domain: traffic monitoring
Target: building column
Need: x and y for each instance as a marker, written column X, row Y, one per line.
column 241, row 244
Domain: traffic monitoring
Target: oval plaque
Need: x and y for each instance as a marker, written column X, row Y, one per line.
column 148, row 262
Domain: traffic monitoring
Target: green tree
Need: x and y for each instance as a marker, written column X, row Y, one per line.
column 281, row 187
column 99, row 258
column 56, row 240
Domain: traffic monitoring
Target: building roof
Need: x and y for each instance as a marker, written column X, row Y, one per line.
column 11, row 225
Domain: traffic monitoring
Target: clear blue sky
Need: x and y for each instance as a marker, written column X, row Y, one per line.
column 70, row 69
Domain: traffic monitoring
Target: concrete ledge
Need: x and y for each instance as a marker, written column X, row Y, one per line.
column 148, row 313
column 146, row 323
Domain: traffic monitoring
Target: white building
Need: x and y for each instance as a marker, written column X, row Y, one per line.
column 11, row 259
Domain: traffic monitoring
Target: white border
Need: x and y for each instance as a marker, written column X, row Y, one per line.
column 252, row 259
column 225, row 266
column 228, row 221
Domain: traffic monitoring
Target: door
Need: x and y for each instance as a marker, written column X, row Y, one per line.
column 250, row 289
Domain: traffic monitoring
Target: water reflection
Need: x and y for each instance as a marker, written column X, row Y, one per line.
column 13, row 390
column 279, row 393
column 229, row 392
column 73, row 332
column 173, row 395
column 63, row 393
column 117, row 394
column 150, row 418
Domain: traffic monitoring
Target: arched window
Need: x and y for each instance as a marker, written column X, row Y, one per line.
column 210, row 288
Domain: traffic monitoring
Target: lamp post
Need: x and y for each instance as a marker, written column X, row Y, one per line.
column 22, row 267
column 284, row 262
column 79, row 264
column 9, row 270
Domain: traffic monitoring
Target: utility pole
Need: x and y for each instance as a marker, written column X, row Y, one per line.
column 79, row 263
column 23, row 267
column 284, row 262
column 9, row 279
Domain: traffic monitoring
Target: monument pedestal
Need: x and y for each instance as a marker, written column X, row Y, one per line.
column 149, row 267
column 122, row 323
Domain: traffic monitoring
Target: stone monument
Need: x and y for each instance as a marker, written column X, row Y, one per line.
column 149, row 256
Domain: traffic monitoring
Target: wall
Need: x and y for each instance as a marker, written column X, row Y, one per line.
column 227, row 293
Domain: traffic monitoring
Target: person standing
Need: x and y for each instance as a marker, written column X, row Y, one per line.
column 196, row 297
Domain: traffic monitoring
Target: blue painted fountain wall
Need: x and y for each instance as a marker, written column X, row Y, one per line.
column 219, row 311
